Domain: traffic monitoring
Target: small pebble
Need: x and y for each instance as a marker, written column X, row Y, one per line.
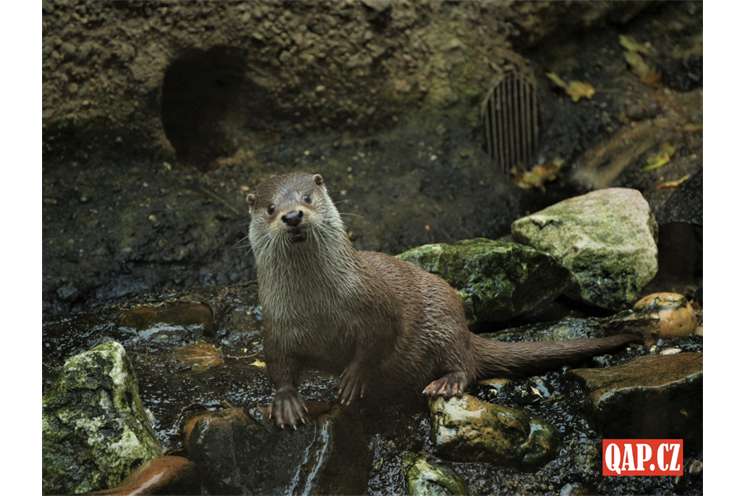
column 675, row 314
column 671, row 351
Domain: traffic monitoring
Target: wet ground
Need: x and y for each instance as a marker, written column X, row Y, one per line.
column 229, row 319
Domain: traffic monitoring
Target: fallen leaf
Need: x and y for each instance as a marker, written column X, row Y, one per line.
column 259, row 363
column 674, row 184
column 657, row 160
column 632, row 45
column 556, row 79
column 538, row 176
column 575, row 89
column 639, row 66
column 578, row 90
column 200, row 356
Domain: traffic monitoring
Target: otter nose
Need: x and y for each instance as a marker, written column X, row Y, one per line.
column 293, row 218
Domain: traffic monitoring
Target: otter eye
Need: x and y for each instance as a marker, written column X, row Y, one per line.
column 306, row 198
column 271, row 208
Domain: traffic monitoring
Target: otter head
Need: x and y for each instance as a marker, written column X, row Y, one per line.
column 288, row 209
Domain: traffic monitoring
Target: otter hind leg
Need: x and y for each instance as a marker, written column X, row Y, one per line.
column 452, row 384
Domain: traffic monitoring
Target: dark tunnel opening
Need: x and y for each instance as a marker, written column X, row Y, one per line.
column 201, row 92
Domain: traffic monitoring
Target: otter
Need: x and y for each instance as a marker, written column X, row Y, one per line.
column 383, row 325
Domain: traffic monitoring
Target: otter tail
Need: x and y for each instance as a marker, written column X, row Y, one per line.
column 513, row 360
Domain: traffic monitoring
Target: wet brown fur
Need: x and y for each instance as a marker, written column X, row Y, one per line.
column 388, row 326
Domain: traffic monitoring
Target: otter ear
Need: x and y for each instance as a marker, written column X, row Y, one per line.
column 318, row 180
column 251, row 199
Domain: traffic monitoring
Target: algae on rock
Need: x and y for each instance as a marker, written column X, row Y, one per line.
column 467, row 429
column 606, row 238
column 94, row 427
column 500, row 279
column 427, row 474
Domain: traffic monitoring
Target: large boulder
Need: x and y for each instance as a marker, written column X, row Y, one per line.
column 242, row 452
column 652, row 397
column 606, row 238
column 496, row 279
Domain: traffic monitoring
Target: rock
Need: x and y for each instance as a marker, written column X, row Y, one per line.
column 94, row 428
column 427, row 474
column 242, row 452
column 196, row 318
column 68, row 292
column 466, row 429
column 286, row 58
column 605, row 238
column 673, row 315
column 68, row 49
column 569, row 328
column 162, row 475
column 575, row 489
column 654, row 317
column 501, row 279
column 649, row 397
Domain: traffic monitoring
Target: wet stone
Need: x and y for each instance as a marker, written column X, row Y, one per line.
column 427, row 474
column 466, row 429
column 197, row 318
column 162, row 475
column 652, row 397
column 242, row 452
column 68, row 292
column 95, row 430
column 670, row 316
column 606, row 238
column 500, row 279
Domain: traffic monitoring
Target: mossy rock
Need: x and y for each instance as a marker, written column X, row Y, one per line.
column 499, row 280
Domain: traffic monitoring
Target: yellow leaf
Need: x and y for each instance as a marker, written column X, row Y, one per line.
column 640, row 67
column 632, row 45
column 538, row 176
column 556, row 79
column 674, row 184
column 259, row 363
column 657, row 160
column 575, row 89
column 578, row 90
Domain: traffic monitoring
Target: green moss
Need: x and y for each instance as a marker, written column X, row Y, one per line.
column 427, row 474
column 467, row 429
column 94, row 427
column 500, row 279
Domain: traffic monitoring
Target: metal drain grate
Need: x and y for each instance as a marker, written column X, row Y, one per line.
column 510, row 115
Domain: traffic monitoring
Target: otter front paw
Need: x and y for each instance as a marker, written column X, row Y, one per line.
column 453, row 384
column 287, row 407
column 352, row 384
